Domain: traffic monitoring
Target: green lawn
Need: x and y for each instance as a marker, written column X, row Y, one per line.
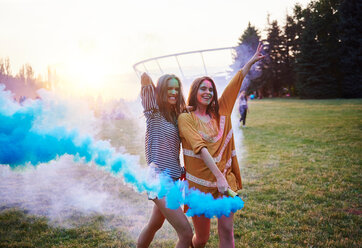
column 302, row 174
column 301, row 177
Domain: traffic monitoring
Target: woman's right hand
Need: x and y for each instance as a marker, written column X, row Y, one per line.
column 145, row 79
column 222, row 184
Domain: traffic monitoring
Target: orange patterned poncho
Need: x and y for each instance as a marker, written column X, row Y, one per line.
column 218, row 139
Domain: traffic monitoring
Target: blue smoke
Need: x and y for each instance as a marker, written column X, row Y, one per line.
column 200, row 203
column 22, row 142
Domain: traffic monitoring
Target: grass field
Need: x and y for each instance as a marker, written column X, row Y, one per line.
column 302, row 174
column 301, row 177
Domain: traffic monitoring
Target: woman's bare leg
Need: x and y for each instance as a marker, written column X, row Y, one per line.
column 225, row 226
column 179, row 221
column 149, row 231
column 202, row 231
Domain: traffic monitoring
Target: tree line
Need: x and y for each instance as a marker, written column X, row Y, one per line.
column 23, row 84
column 316, row 54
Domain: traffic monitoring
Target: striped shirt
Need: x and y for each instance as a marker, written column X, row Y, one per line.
column 162, row 138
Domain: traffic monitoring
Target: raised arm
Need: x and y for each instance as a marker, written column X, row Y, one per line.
column 146, row 80
column 256, row 57
column 229, row 95
column 148, row 94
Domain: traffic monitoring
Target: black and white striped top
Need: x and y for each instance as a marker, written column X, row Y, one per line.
column 162, row 138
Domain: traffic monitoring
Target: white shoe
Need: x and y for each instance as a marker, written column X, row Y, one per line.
column 243, row 125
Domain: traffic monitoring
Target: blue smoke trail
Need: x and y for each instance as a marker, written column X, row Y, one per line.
column 21, row 142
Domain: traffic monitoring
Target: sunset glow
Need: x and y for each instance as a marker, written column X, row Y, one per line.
column 92, row 45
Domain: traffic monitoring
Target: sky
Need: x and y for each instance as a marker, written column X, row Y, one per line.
column 94, row 44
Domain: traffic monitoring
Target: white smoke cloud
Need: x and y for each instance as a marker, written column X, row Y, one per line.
column 67, row 112
column 62, row 188
column 245, row 52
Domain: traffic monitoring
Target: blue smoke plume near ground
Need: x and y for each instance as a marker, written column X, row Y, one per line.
column 24, row 139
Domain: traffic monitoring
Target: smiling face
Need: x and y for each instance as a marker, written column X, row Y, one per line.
column 173, row 89
column 205, row 93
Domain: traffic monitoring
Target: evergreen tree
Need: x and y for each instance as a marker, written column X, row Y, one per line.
column 288, row 54
column 272, row 66
column 259, row 84
column 351, row 51
column 318, row 68
column 316, row 55
column 247, row 44
column 310, row 81
column 297, row 24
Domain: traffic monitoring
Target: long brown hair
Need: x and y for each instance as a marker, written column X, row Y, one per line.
column 213, row 108
column 168, row 111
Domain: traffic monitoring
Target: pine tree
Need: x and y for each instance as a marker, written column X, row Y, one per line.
column 272, row 66
column 288, row 54
column 296, row 29
column 258, row 84
column 351, row 51
column 247, row 44
column 318, row 68
column 310, row 65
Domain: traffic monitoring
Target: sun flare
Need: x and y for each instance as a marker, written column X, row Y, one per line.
column 84, row 72
column 87, row 75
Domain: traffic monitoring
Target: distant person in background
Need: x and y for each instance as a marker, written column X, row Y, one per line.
column 209, row 148
column 243, row 107
column 162, row 106
column 22, row 99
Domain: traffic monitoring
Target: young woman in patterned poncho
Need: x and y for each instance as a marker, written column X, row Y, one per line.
column 209, row 150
